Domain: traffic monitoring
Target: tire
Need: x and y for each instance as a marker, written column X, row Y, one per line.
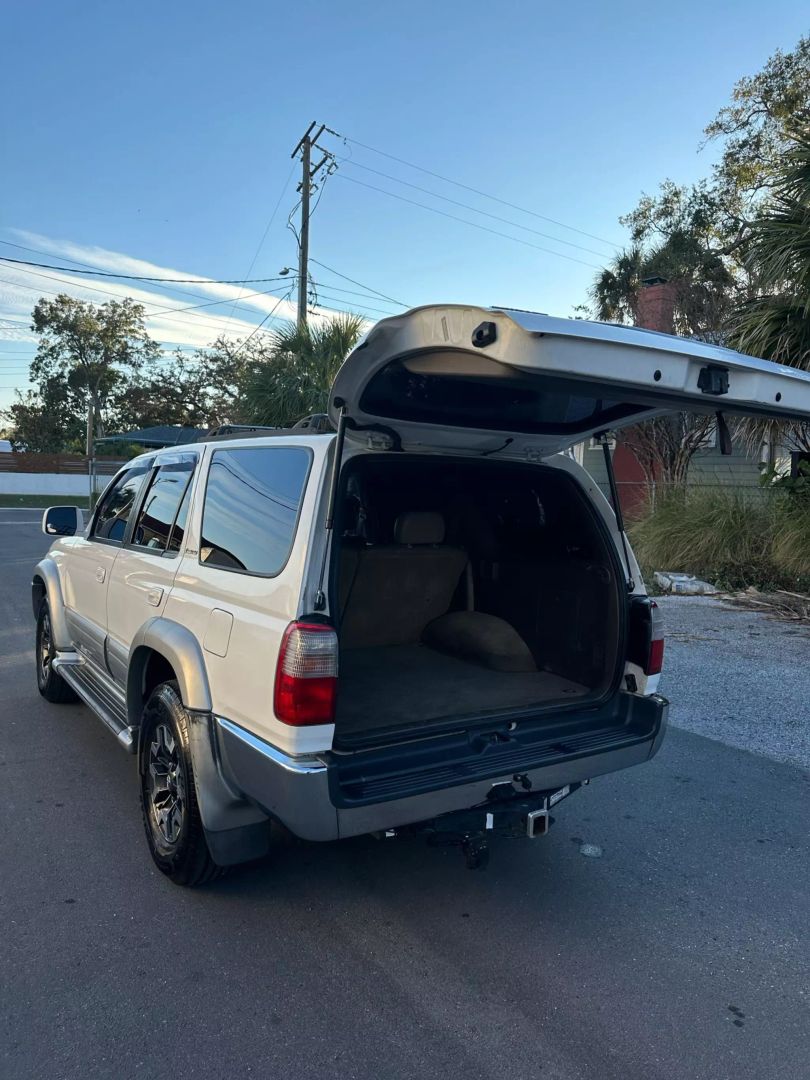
column 171, row 816
column 49, row 682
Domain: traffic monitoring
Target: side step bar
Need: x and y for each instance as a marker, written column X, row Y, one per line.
column 102, row 696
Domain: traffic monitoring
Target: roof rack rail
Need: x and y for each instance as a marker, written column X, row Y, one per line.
column 257, row 431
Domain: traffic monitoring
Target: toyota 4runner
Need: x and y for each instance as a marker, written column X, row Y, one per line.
column 426, row 616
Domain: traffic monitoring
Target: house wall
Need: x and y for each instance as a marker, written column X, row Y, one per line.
column 708, row 467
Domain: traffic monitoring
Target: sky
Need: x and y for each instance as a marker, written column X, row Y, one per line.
column 155, row 139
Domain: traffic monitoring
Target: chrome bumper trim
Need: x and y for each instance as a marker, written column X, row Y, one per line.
column 304, row 766
column 296, row 791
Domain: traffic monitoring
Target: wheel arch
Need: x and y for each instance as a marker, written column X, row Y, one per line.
column 164, row 650
column 45, row 585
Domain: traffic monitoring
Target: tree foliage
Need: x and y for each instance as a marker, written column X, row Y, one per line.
column 775, row 323
column 732, row 245
column 91, row 351
column 201, row 389
column 294, row 376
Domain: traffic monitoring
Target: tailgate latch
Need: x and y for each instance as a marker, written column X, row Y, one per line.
column 713, row 380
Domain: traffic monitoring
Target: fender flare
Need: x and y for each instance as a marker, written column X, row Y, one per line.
column 182, row 650
column 47, row 572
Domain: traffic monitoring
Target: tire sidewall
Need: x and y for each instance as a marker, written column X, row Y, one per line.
column 42, row 679
column 165, row 707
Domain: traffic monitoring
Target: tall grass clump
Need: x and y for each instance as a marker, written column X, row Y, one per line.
column 791, row 540
column 724, row 536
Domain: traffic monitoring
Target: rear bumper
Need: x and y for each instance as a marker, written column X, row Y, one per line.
column 334, row 796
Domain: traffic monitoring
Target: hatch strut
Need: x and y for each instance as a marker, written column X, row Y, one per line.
column 617, row 506
column 320, row 596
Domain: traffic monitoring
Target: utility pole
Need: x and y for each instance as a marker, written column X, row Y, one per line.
column 305, row 144
column 90, row 452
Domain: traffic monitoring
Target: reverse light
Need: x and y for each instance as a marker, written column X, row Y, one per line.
column 306, row 675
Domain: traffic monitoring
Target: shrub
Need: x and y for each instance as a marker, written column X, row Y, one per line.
column 732, row 538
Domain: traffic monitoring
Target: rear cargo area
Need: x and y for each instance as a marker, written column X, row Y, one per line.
column 468, row 589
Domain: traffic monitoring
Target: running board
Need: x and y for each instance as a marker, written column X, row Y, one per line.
column 102, row 696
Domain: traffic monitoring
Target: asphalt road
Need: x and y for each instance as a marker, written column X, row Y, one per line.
column 681, row 952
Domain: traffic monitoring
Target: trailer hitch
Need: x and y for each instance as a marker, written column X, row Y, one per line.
column 475, row 849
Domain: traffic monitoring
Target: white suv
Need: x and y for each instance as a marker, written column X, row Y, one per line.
column 427, row 617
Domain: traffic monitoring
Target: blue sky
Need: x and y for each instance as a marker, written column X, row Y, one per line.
column 159, row 135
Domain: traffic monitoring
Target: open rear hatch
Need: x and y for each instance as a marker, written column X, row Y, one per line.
column 507, row 558
column 448, row 377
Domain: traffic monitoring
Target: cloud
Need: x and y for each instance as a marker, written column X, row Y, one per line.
column 20, row 287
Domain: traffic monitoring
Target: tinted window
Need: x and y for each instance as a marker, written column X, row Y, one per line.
column 113, row 514
column 179, row 530
column 516, row 402
column 161, row 505
column 251, row 507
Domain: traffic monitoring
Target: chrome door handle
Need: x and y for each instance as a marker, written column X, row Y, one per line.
column 101, row 573
column 154, row 596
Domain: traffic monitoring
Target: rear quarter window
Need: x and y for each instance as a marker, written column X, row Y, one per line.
column 252, row 501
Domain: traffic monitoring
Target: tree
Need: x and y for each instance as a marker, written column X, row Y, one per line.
column 93, row 350
column 700, row 236
column 204, row 389
column 705, row 240
column 775, row 324
column 45, row 421
column 294, row 378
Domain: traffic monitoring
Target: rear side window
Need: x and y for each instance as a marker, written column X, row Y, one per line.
column 251, row 507
column 161, row 505
column 113, row 514
column 179, row 529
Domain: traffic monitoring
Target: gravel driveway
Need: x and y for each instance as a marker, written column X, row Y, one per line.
column 764, row 707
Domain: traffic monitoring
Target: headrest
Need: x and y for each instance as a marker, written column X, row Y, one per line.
column 419, row 527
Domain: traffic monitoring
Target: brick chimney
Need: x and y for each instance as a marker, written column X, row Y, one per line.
column 655, row 305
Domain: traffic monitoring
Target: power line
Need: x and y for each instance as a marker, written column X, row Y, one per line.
column 472, row 209
column 472, row 224
column 350, row 292
column 360, row 283
column 477, row 191
column 103, row 292
column 142, row 277
column 94, row 269
column 360, row 307
column 264, row 320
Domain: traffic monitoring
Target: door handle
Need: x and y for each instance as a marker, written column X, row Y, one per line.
column 154, row 596
column 101, row 573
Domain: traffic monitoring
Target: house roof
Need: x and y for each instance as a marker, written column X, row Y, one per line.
column 157, row 436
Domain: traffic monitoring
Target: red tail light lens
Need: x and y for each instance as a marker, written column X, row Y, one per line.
column 306, row 675
column 655, row 656
column 645, row 646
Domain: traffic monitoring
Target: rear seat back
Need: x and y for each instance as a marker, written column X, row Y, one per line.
column 390, row 592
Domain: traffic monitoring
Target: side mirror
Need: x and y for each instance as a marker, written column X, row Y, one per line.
column 62, row 521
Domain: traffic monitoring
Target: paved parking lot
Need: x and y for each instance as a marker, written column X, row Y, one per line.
column 680, row 952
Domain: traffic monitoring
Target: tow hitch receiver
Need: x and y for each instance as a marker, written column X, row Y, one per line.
column 506, row 812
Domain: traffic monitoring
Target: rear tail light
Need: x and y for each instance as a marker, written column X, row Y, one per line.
column 655, row 656
column 306, row 675
column 645, row 646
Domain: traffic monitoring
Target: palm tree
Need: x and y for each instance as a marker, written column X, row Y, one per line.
column 301, row 364
column 615, row 291
column 776, row 324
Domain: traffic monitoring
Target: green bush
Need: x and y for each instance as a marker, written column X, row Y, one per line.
column 732, row 538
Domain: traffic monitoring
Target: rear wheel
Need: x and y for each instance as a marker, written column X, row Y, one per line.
column 49, row 682
column 171, row 816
